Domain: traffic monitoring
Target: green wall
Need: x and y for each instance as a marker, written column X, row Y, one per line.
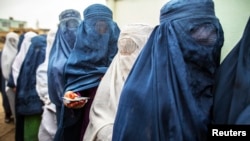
column 233, row 15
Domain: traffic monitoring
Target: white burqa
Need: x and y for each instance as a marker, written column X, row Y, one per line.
column 103, row 111
column 48, row 124
column 8, row 55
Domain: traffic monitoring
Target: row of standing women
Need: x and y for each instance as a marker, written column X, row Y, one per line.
column 144, row 83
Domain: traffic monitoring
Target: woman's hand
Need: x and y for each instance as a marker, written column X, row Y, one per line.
column 74, row 104
column 14, row 89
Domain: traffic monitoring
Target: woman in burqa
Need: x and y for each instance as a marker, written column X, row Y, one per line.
column 103, row 110
column 95, row 48
column 168, row 93
column 10, row 86
column 16, row 67
column 28, row 103
column 8, row 55
column 59, row 53
column 17, row 63
column 48, row 126
column 232, row 89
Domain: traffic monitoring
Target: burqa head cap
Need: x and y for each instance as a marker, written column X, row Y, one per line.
column 97, row 10
column 177, row 3
column 69, row 14
column 184, row 8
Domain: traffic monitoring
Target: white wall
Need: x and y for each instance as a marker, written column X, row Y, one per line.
column 136, row 11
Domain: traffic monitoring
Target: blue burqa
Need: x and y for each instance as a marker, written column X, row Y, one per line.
column 95, row 47
column 61, row 48
column 27, row 100
column 232, row 91
column 168, row 93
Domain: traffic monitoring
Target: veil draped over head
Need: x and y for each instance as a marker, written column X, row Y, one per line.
column 168, row 93
column 24, row 47
column 48, row 124
column 11, row 82
column 233, row 85
column 59, row 53
column 96, row 45
column 41, row 72
column 28, row 101
column 94, row 49
column 9, row 53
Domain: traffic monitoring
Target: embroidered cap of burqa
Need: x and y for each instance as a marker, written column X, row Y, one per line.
column 28, row 101
column 96, row 46
column 167, row 95
column 231, row 98
column 62, row 46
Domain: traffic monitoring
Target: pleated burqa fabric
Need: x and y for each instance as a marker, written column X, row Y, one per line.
column 41, row 73
column 28, row 104
column 63, row 44
column 9, row 53
column 28, row 101
column 232, row 91
column 168, row 93
column 95, row 47
column 48, row 126
column 17, row 63
column 16, row 68
column 11, row 82
column 103, row 110
column 59, row 53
